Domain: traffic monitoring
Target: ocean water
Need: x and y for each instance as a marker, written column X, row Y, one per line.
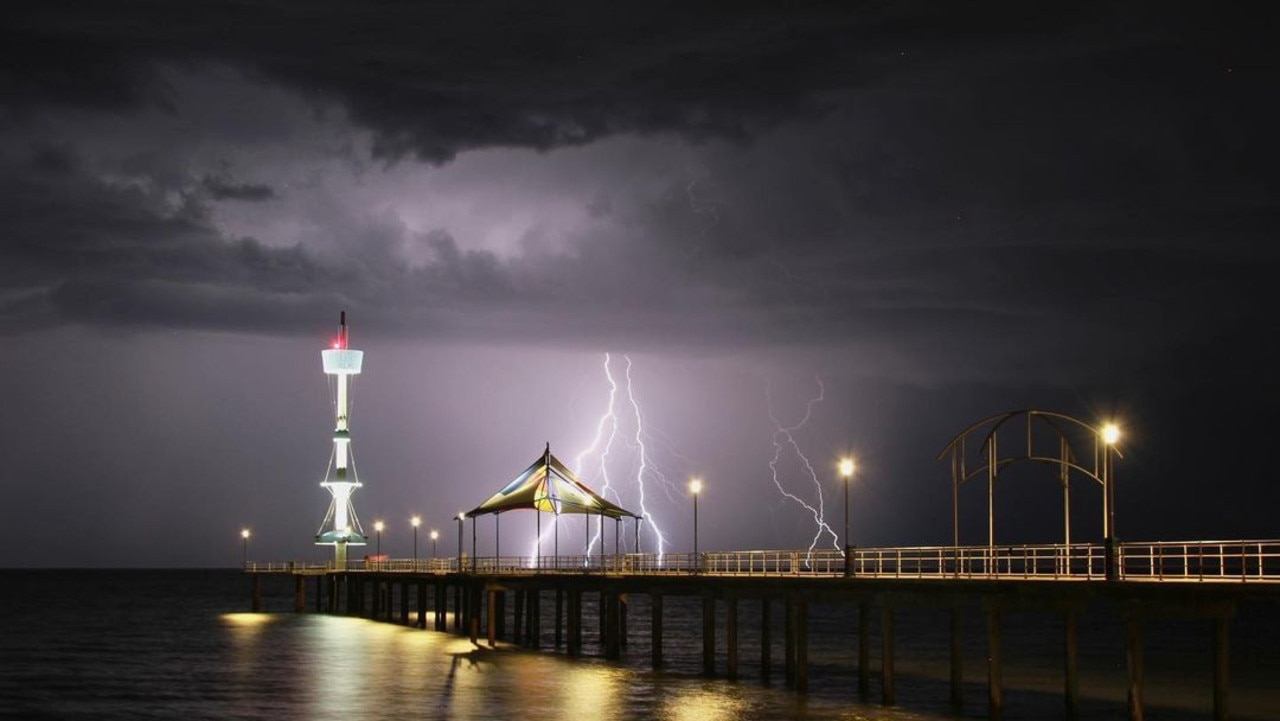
column 180, row 644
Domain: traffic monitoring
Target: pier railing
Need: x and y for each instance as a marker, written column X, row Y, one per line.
column 1184, row 561
column 1202, row 561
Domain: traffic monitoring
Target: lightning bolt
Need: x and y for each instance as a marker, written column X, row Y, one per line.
column 608, row 436
column 644, row 466
column 783, row 437
column 608, row 420
column 608, row 432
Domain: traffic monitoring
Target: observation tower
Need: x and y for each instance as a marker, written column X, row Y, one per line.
column 340, row 527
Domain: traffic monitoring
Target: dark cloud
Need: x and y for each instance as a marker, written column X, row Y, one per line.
column 944, row 209
column 222, row 189
column 435, row 80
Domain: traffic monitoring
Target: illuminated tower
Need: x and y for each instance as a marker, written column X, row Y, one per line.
column 340, row 527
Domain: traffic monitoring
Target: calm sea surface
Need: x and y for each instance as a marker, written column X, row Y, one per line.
column 178, row 644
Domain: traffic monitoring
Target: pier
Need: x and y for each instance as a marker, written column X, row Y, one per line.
column 503, row 598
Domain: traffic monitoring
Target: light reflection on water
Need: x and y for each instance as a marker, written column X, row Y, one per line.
column 700, row 705
column 161, row 645
column 326, row 667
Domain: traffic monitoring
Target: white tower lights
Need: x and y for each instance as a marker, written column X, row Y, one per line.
column 340, row 527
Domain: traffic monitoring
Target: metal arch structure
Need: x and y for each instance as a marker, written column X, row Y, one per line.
column 1067, row 459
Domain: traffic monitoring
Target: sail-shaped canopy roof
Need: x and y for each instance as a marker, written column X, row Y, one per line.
column 548, row 485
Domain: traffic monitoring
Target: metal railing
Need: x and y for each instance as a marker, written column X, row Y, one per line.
column 1201, row 561
column 1177, row 561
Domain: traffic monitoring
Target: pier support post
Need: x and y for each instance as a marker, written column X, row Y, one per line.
column 575, row 622
column 299, row 594
column 441, row 605
column 655, row 628
column 1070, row 665
column 766, row 639
column 458, row 613
column 957, row 660
column 731, row 636
column 494, row 615
column 474, row 591
column 623, row 603
column 788, row 642
column 319, row 595
column 801, row 626
column 404, row 603
column 995, row 663
column 1133, row 655
column 255, row 592
column 1221, row 662
column 559, row 617
column 600, row 616
column 611, row 611
column 887, row 695
column 499, row 599
column 518, row 618
column 421, row 592
column 533, row 626
column 708, row 634
column 864, row 648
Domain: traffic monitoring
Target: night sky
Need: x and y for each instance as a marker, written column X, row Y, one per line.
column 920, row 213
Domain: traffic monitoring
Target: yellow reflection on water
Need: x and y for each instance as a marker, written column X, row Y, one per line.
column 700, row 705
column 591, row 692
column 247, row 619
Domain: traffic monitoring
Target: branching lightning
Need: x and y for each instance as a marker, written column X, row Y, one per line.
column 644, row 464
column 783, row 437
column 609, row 419
column 607, row 434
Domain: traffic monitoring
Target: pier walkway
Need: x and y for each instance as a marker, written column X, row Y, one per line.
column 1184, row 580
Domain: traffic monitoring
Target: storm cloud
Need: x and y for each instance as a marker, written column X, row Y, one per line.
column 1015, row 202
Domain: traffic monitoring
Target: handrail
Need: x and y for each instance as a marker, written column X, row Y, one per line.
column 1246, row 561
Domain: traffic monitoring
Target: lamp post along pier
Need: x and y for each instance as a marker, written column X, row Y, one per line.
column 1110, row 435
column 415, row 522
column 847, row 467
column 695, row 487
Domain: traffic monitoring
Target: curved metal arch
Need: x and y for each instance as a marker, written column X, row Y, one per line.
column 1067, row 461
column 1010, row 460
column 1003, row 417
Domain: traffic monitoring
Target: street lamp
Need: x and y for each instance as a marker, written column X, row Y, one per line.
column 695, row 487
column 434, row 535
column 377, row 527
column 461, row 517
column 846, row 470
column 244, row 553
column 1110, row 436
column 416, row 521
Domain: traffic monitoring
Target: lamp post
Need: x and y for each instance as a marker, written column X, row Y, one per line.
column 846, row 471
column 695, row 487
column 244, row 553
column 434, row 535
column 1110, row 435
column 461, row 517
column 416, row 521
column 377, row 527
